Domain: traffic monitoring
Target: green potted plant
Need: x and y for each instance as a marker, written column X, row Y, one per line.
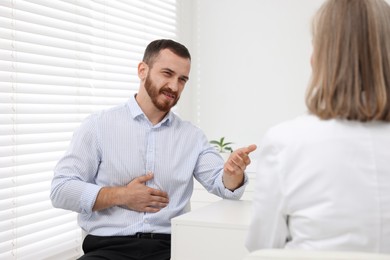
column 224, row 148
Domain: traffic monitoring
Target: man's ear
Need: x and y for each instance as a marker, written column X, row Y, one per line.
column 142, row 70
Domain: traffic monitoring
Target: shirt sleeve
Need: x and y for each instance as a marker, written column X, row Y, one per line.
column 209, row 172
column 73, row 185
column 268, row 226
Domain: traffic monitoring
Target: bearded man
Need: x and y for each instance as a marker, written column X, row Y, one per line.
column 130, row 169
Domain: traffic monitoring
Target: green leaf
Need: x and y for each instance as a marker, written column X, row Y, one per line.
column 221, row 146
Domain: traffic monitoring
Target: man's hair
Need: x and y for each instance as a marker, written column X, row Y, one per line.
column 153, row 50
column 351, row 61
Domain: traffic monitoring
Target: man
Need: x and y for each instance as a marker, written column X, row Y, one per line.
column 130, row 169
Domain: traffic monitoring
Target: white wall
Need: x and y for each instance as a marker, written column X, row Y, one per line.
column 251, row 64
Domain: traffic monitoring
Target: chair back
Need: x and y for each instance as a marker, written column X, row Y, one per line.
column 286, row 254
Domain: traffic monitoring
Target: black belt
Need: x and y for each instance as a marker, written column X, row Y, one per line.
column 158, row 236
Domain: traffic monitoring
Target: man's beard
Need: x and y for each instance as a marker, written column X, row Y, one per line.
column 154, row 93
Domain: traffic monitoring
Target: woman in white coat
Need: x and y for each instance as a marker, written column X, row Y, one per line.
column 323, row 178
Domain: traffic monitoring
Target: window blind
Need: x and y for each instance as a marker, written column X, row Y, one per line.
column 60, row 61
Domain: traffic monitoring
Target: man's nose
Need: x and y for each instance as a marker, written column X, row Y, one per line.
column 174, row 85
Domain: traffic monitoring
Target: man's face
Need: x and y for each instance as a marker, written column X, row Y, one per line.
column 163, row 104
column 166, row 79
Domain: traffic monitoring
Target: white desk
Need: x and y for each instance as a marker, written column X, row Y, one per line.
column 214, row 232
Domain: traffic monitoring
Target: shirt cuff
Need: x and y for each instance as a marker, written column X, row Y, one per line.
column 237, row 193
column 88, row 197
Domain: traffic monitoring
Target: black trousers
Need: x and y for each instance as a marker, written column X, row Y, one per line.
column 137, row 247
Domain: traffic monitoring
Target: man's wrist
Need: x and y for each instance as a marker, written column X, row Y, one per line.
column 234, row 182
column 108, row 197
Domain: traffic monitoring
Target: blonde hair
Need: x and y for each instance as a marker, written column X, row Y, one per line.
column 351, row 61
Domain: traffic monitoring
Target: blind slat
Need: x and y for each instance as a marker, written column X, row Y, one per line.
column 28, row 244
column 9, row 87
column 25, row 180
column 12, row 161
column 32, row 148
column 21, row 201
column 9, row 119
column 31, row 222
column 10, row 76
column 103, row 59
column 65, row 249
column 25, row 170
column 20, row 139
column 68, row 59
column 47, row 108
column 24, row 190
column 115, row 52
column 10, row 98
column 75, row 72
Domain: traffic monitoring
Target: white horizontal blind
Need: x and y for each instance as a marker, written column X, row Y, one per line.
column 60, row 61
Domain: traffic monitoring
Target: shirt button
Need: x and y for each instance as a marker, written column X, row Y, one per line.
column 146, row 221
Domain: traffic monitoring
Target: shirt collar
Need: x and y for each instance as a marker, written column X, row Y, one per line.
column 136, row 112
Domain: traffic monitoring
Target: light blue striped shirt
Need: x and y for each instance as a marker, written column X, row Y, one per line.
column 113, row 147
